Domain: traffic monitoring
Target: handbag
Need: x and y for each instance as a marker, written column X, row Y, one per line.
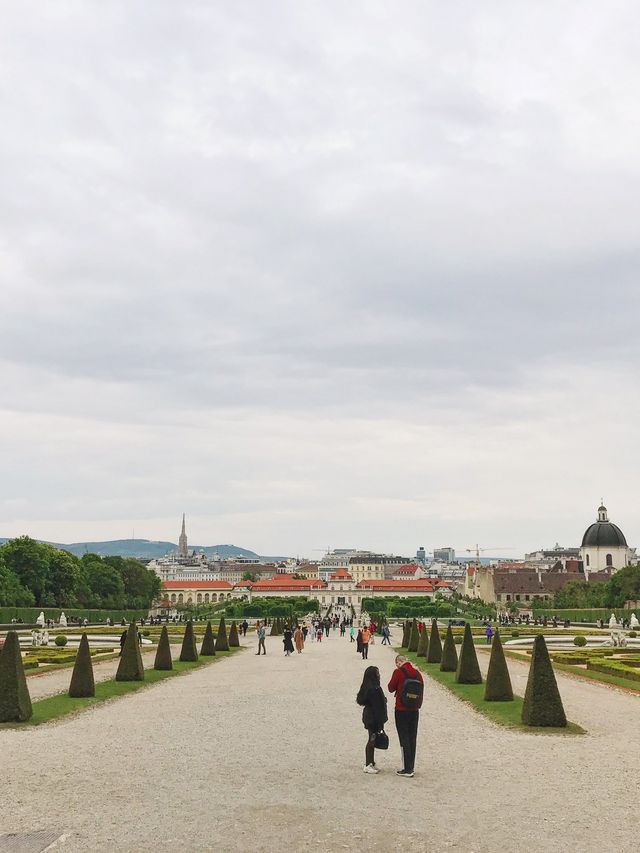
column 382, row 740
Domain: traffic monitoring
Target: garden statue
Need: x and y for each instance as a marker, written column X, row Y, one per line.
column 613, row 622
column 63, row 620
column 634, row 622
column 45, row 638
column 40, row 619
column 34, row 637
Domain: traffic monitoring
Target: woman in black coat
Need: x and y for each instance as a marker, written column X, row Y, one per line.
column 374, row 714
column 287, row 641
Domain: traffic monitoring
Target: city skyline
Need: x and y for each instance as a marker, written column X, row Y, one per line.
column 335, row 276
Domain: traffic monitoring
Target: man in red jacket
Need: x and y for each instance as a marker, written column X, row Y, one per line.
column 406, row 717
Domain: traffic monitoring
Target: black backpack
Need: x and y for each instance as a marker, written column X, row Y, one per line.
column 412, row 692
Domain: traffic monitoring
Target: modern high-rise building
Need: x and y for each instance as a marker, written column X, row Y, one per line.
column 421, row 555
column 444, row 555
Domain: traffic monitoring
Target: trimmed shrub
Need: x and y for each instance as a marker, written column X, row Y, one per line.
column 163, row 659
column 434, row 655
column 423, row 642
column 188, row 652
column 234, row 640
column 498, row 687
column 542, row 703
column 15, row 702
column 60, row 640
column 406, row 630
column 449, row 662
column 413, row 637
column 208, row 647
column 222, row 643
column 131, row 667
column 82, row 681
column 580, row 640
column 468, row 671
column 633, row 634
column 515, row 634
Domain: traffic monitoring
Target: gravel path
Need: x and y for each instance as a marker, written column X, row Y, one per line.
column 247, row 755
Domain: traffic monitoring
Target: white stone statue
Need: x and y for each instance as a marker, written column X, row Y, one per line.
column 63, row 620
column 613, row 622
column 34, row 637
column 40, row 619
column 633, row 622
column 45, row 638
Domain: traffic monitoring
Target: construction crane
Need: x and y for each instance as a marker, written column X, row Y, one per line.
column 477, row 550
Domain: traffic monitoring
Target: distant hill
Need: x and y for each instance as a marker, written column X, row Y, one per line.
column 148, row 549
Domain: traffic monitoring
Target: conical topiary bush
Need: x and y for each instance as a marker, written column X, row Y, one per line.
column 188, row 652
column 131, row 667
column 234, row 640
column 406, row 631
column 82, row 681
column 435, row 644
column 163, row 659
column 414, row 637
column 498, row 687
column 468, row 671
column 208, row 647
column 542, row 703
column 222, row 643
column 15, row 702
column 423, row 642
column 449, row 662
column 274, row 628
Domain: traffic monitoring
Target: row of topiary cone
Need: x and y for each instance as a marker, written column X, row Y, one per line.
column 542, row 703
column 278, row 625
column 15, row 701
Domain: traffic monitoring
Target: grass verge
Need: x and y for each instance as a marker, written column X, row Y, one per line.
column 61, row 705
column 508, row 714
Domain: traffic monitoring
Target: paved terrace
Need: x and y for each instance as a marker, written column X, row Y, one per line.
column 267, row 754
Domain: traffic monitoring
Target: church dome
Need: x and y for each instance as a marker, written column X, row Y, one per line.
column 603, row 533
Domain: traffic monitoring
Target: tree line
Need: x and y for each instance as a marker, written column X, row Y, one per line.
column 36, row 574
column 622, row 586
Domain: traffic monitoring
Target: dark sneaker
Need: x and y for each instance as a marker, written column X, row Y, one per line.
column 407, row 773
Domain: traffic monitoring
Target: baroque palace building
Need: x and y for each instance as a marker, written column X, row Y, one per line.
column 340, row 589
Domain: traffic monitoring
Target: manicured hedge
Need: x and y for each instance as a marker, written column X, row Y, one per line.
column 590, row 615
column 30, row 614
column 612, row 667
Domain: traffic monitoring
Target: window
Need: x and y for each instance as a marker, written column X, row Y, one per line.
column 517, row 598
column 587, row 559
column 609, row 560
column 199, row 598
column 526, row 598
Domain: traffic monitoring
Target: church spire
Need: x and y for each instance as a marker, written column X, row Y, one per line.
column 182, row 540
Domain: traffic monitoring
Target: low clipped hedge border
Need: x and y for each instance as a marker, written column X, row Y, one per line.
column 612, row 667
column 61, row 705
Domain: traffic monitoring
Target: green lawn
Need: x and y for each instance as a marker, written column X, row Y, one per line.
column 62, row 705
column 588, row 675
column 503, row 713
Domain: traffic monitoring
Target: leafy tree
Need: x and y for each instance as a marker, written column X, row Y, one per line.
column 63, row 576
column 106, row 584
column 623, row 586
column 249, row 576
column 12, row 593
column 28, row 560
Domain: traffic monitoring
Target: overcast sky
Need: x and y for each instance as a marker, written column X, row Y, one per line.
column 356, row 274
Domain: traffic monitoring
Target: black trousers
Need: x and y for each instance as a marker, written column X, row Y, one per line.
column 261, row 645
column 407, row 728
column 369, row 750
column 365, row 651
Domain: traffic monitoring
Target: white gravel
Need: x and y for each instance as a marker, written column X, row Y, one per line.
column 267, row 755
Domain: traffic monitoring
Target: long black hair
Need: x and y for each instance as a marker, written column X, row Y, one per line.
column 370, row 680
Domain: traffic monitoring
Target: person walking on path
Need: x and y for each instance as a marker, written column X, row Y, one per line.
column 261, row 633
column 351, row 634
column 287, row 641
column 408, row 685
column 374, row 713
column 489, row 633
column 305, row 631
column 365, row 637
column 123, row 637
column 298, row 640
column 359, row 641
column 245, row 626
column 385, row 635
